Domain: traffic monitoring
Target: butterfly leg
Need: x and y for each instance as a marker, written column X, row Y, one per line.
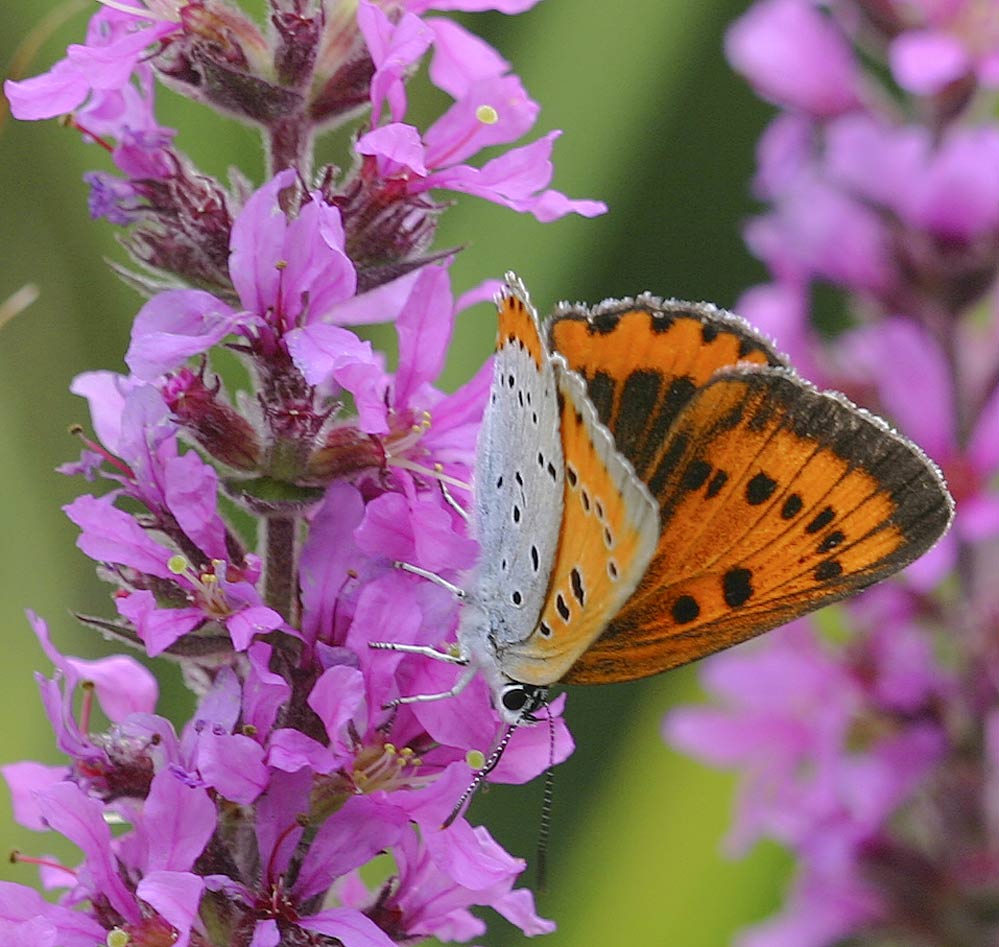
column 427, row 652
column 452, row 502
column 431, row 577
column 459, row 686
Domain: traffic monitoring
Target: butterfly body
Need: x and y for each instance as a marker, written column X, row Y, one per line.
column 654, row 483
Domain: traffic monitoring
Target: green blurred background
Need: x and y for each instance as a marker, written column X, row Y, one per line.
column 657, row 126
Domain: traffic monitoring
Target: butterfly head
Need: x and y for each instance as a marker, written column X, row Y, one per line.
column 517, row 702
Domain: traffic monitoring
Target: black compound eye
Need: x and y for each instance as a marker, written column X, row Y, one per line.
column 523, row 699
column 514, row 697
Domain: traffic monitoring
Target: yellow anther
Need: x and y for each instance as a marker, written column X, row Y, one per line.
column 476, row 759
column 178, row 565
column 487, row 115
column 118, row 938
column 390, row 749
column 281, row 265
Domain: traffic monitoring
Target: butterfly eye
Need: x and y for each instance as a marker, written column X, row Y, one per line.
column 514, row 697
column 522, row 699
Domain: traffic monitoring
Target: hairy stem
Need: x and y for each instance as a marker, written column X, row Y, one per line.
column 290, row 146
column 281, row 566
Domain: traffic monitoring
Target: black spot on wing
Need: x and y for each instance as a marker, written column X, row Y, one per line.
column 830, row 569
column 696, row 474
column 822, row 520
column 561, row 607
column 685, row 609
column 602, row 323
column 760, row 488
column 792, row 506
column 831, row 541
column 717, row 482
column 737, row 587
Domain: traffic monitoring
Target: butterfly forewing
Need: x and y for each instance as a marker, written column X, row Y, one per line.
column 643, row 359
column 608, row 535
column 519, row 476
column 777, row 499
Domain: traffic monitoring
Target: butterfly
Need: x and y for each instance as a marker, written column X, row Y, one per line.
column 653, row 484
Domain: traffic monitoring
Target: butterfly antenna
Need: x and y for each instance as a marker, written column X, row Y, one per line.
column 544, row 829
column 486, row 769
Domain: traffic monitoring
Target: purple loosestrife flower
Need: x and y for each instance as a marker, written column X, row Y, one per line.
column 873, row 759
column 97, row 74
column 439, row 879
column 200, row 562
column 141, row 881
column 252, row 534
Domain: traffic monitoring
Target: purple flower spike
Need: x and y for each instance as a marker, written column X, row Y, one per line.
column 252, row 534
column 881, row 236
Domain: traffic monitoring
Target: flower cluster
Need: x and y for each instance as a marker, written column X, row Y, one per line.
column 876, row 760
column 251, row 535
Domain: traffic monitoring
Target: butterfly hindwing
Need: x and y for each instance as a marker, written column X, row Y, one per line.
column 608, row 536
column 777, row 499
column 519, row 475
column 642, row 359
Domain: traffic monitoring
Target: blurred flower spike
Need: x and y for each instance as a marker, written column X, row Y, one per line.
column 875, row 760
column 249, row 824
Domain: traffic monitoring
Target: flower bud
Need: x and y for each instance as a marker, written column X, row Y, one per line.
column 214, row 424
column 345, row 451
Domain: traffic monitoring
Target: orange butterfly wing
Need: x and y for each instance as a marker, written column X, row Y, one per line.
column 607, row 538
column 818, row 500
column 643, row 359
column 775, row 499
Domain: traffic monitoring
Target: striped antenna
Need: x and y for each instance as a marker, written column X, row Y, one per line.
column 544, row 829
column 487, row 768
